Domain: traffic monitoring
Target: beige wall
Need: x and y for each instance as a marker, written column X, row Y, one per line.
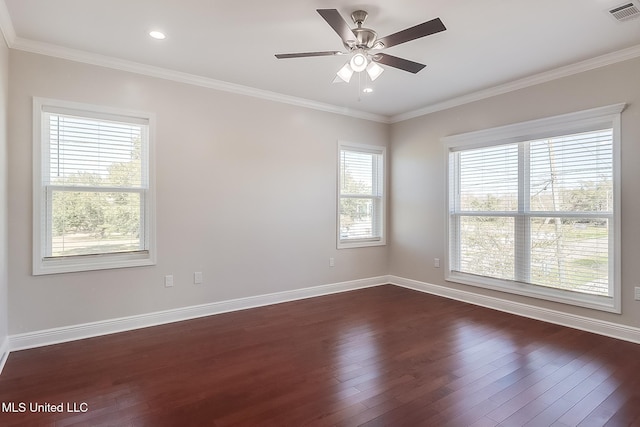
column 4, row 102
column 418, row 174
column 245, row 193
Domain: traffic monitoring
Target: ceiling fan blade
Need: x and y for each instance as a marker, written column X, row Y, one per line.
column 420, row 30
column 307, row 54
column 400, row 63
column 339, row 25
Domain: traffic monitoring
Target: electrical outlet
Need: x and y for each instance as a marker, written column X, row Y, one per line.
column 332, row 262
column 197, row 277
column 168, row 281
column 637, row 296
column 436, row 262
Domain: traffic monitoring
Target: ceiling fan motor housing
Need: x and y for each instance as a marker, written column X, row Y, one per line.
column 365, row 37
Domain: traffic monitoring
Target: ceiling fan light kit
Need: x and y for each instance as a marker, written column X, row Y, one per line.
column 360, row 41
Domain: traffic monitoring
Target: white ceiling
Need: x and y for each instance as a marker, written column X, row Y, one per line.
column 487, row 43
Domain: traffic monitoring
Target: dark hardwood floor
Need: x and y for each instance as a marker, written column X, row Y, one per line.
column 383, row 356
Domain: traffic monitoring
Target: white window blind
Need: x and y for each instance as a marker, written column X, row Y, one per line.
column 95, row 186
column 361, row 195
column 537, row 216
column 94, row 189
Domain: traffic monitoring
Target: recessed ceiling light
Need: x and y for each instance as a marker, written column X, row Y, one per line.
column 157, row 35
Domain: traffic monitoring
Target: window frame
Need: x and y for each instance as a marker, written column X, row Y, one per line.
column 42, row 214
column 565, row 124
column 380, row 214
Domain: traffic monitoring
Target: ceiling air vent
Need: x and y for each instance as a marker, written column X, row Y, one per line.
column 625, row 12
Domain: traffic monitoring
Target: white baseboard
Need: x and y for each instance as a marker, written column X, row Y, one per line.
column 94, row 329
column 88, row 330
column 601, row 327
column 4, row 352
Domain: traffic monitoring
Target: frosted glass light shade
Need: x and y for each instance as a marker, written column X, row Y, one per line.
column 374, row 70
column 345, row 73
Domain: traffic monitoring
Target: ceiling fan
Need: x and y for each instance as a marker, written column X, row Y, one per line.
column 365, row 45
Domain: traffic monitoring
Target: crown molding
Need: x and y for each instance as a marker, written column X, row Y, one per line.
column 544, row 77
column 19, row 43
column 6, row 25
column 85, row 57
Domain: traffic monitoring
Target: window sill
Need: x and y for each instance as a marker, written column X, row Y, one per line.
column 594, row 302
column 348, row 244
column 92, row 262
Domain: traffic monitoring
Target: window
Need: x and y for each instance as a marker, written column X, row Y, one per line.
column 93, row 188
column 361, row 200
column 533, row 208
